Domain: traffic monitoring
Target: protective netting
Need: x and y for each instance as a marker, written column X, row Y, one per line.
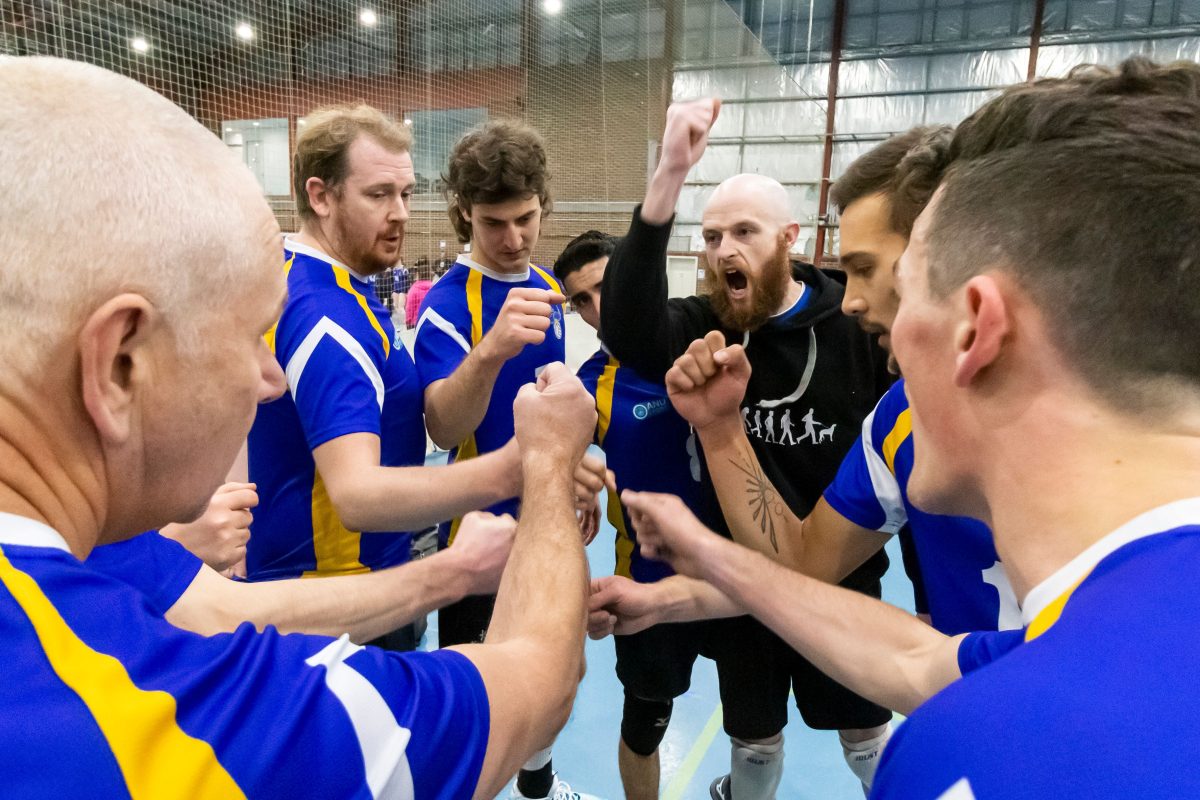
column 595, row 76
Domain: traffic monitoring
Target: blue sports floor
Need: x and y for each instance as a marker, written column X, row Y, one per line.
column 695, row 749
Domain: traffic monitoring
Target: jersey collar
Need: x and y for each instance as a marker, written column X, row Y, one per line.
column 1045, row 601
column 505, row 277
column 307, row 250
column 27, row 532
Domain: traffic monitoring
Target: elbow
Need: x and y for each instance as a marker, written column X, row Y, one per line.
column 348, row 503
column 441, row 435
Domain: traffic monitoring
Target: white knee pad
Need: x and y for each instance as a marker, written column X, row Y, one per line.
column 863, row 757
column 756, row 769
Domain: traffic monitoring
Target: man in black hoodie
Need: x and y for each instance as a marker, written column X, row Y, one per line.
column 816, row 376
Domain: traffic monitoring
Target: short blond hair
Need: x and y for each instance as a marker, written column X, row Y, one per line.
column 322, row 146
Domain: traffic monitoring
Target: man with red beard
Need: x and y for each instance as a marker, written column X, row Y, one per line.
column 816, row 376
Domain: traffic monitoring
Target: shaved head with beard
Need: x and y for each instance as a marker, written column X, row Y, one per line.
column 748, row 231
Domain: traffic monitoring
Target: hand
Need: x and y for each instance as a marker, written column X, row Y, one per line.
column 707, row 383
column 621, row 606
column 592, row 475
column 668, row 531
column 686, row 133
column 523, row 319
column 589, row 522
column 483, row 542
column 219, row 537
column 554, row 418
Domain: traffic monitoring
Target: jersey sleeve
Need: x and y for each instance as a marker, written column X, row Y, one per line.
column 865, row 491
column 982, row 648
column 334, row 365
column 443, row 338
column 158, row 567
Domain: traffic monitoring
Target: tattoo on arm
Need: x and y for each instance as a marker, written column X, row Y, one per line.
column 764, row 501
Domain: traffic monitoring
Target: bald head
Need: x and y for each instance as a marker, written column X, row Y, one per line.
column 757, row 194
column 109, row 187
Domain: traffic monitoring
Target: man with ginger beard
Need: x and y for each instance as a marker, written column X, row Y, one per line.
column 816, row 376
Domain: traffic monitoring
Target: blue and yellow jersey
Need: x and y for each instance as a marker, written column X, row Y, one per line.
column 1094, row 703
column 346, row 373
column 649, row 448
column 965, row 583
column 456, row 314
column 103, row 698
column 159, row 568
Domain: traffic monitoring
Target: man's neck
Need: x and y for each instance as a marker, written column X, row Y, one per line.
column 794, row 290
column 313, row 236
column 1061, row 484
column 482, row 259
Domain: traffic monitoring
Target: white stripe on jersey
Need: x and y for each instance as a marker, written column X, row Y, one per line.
column 961, row 790
column 327, row 327
column 381, row 740
column 887, row 490
column 443, row 325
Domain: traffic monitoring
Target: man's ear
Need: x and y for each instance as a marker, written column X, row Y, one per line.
column 980, row 335
column 319, row 195
column 113, row 357
column 792, row 232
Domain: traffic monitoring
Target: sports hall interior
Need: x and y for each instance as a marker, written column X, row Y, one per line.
column 806, row 86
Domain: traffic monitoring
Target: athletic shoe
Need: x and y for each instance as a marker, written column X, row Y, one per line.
column 561, row 790
column 720, row 788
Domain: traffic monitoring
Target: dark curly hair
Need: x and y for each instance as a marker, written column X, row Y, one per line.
column 493, row 163
column 583, row 249
column 907, row 168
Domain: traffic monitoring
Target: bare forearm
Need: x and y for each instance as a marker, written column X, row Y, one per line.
column 364, row 606
column 454, row 407
column 684, row 599
column 875, row 649
column 753, row 508
column 410, row 498
column 662, row 194
column 543, row 593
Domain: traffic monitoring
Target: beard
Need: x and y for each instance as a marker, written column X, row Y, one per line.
column 766, row 292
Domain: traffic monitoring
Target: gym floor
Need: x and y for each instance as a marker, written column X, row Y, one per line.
column 695, row 749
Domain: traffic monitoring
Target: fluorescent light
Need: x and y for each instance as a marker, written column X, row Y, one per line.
column 244, row 31
column 139, row 44
column 367, row 17
column 255, row 124
column 552, row 6
column 408, row 121
column 229, row 130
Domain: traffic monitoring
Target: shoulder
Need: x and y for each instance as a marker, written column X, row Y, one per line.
column 594, row 366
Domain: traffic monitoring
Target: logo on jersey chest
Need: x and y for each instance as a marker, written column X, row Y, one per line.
column 775, row 425
column 556, row 321
column 651, row 409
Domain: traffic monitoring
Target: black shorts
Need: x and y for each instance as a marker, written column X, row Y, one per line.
column 755, row 670
column 656, row 664
column 465, row 622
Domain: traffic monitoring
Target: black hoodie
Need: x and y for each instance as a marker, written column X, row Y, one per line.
column 816, row 373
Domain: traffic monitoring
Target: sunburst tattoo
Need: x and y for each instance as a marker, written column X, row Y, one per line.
column 764, row 500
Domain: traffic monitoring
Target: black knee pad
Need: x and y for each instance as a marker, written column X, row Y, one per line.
column 644, row 724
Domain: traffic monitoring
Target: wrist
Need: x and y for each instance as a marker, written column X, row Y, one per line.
column 725, row 430
column 541, row 467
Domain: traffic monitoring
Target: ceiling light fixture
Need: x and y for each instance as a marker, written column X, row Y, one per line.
column 244, row 32
column 552, row 7
column 139, row 44
column 368, row 17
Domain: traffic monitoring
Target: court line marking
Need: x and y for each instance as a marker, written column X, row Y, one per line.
column 687, row 770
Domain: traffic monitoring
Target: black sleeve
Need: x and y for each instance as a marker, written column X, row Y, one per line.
column 637, row 323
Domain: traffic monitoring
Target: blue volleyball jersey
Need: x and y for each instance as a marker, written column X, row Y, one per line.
column 347, row 372
column 965, row 583
column 1094, row 703
column 649, row 448
column 103, row 698
column 158, row 567
column 456, row 314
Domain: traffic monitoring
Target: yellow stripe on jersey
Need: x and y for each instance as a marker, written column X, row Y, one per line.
column 467, row 449
column 604, row 399
column 336, row 547
column 624, row 543
column 900, row 431
column 270, row 334
column 157, row 759
column 475, row 304
column 549, row 278
column 343, row 280
column 1050, row 614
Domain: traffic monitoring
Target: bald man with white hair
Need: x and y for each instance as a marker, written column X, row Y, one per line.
column 816, row 375
column 137, row 281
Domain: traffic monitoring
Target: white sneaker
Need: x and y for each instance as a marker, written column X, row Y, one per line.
column 561, row 790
